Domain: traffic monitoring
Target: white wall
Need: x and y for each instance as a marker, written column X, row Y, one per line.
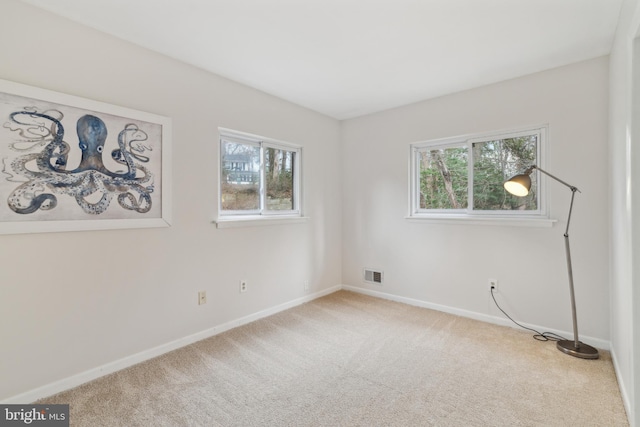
column 71, row 302
column 625, row 199
column 449, row 264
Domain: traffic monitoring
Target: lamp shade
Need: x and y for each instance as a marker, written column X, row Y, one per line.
column 518, row 185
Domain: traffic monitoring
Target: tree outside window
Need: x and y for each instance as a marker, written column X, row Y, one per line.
column 465, row 175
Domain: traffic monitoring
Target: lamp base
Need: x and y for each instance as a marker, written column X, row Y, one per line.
column 584, row 351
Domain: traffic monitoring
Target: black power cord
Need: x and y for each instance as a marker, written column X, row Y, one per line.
column 540, row 336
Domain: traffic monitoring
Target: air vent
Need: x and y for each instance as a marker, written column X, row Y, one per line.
column 373, row 276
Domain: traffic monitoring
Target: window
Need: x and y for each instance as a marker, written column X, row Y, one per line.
column 463, row 176
column 258, row 176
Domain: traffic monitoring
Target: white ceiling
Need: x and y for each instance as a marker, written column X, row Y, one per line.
column 346, row 58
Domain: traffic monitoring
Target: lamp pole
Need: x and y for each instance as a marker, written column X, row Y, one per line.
column 575, row 347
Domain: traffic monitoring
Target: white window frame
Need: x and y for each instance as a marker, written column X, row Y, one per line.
column 232, row 218
column 539, row 217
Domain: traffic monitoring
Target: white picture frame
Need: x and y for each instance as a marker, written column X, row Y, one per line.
column 69, row 164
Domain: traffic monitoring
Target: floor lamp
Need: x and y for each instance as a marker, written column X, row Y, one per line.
column 520, row 185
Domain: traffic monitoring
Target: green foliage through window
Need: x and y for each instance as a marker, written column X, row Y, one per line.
column 444, row 178
column 468, row 174
column 496, row 161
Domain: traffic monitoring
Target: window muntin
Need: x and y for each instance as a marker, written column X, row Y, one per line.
column 258, row 176
column 464, row 176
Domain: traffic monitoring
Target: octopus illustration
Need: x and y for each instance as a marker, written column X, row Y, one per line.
column 46, row 171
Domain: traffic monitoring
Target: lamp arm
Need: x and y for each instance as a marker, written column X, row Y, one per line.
column 532, row 167
column 571, row 187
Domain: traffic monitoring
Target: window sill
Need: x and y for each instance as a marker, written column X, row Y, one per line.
column 256, row 220
column 481, row 220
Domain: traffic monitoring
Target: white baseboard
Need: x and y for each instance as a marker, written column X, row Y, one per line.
column 596, row 342
column 622, row 385
column 125, row 362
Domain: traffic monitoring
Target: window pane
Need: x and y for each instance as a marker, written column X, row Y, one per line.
column 279, row 168
column 240, row 176
column 496, row 161
column 443, row 178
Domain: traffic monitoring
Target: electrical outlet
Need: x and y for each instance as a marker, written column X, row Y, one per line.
column 493, row 285
column 202, row 297
column 305, row 285
column 243, row 286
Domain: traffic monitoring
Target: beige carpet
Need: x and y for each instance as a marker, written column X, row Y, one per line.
column 352, row 360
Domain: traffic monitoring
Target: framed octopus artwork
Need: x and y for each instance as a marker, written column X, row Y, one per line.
column 69, row 163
